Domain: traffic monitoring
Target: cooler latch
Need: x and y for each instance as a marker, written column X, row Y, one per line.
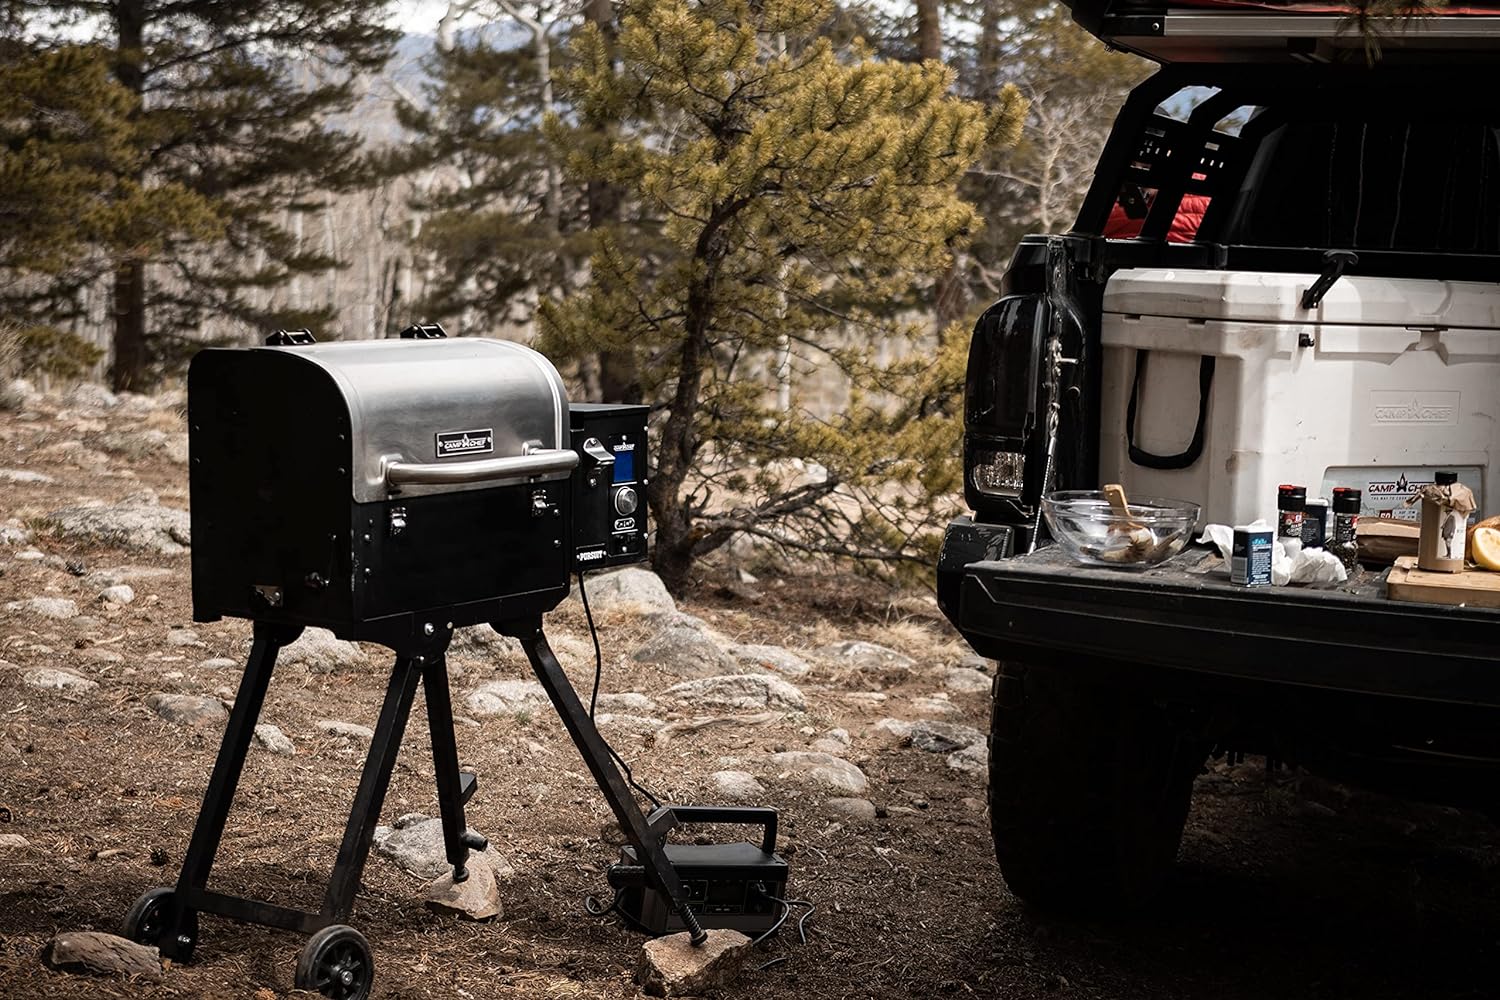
column 1335, row 262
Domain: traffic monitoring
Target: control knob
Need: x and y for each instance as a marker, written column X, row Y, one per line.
column 626, row 501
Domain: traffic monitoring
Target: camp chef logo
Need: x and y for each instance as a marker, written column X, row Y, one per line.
column 1403, row 407
column 1402, row 487
column 476, row 442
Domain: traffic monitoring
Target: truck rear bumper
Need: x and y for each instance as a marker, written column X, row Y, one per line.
column 1187, row 619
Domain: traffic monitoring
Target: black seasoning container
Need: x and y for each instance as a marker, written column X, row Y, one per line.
column 1315, row 523
column 1345, row 544
column 1291, row 503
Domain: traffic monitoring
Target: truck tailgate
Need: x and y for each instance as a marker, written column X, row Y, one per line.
column 1186, row 616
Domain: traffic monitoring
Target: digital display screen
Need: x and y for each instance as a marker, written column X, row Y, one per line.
column 624, row 466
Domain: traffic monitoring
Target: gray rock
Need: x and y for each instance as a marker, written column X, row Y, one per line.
column 687, row 647
column 273, row 739
column 350, row 730
column 120, row 593
column 24, row 476
column 632, row 589
column 93, row 953
column 895, row 727
column 125, row 574
column 673, row 966
column 13, row 532
column 973, row 661
column 736, row 786
column 30, row 555
column 839, row 736
column 183, row 638
column 966, row 681
column 475, row 898
column 16, row 394
column 59, row 608
column 13, row 842
column 938, row 704
column 88, row 396
column 628, row 723
column 414, row 843
column 98, row 654
column 507, row 697
column 480, row 642
column 49, row 679
column 218, row 663
column 133, row 524
column 944, row 737
column 822, row 769
column 628, row 701
column 773, row 658
column 972, row 759
column 140, row 444
column 739, row 693
column 321, row 652
column 878, row 664
column 187, row 709
column 862, row 810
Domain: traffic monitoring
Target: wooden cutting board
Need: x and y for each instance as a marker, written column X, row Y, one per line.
column 1476, row 588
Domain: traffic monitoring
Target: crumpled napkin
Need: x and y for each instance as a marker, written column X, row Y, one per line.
column 1290, row 562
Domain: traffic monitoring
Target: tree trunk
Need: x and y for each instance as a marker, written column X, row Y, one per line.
column 673, row 556
column 988, row 55
column 929, row 30
column 619, row 378
column 130, row 356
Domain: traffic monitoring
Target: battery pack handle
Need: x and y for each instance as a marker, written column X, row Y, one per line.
column 666, row 817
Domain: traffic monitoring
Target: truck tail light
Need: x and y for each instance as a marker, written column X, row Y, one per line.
column 997, row 473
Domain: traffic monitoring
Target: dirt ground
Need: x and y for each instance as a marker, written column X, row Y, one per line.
column 1285, row 889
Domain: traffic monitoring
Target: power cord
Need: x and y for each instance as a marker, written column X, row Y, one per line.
column 594, row 697
column 786, row 909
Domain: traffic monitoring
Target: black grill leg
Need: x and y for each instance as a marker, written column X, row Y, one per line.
column 228, row 766
column 575, row 717
column 445, row 763
column 370, row 795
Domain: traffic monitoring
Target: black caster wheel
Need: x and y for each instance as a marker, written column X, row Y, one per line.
column 153, row 919
column 336, row 962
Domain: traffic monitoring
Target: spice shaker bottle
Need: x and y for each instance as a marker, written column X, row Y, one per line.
column 1345, row 546
column 1291, row 501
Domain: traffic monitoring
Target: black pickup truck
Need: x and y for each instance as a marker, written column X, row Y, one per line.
column 1298, row 131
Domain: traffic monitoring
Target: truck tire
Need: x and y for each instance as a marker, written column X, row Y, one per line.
column 1089, row 790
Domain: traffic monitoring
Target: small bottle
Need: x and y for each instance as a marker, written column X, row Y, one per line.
column 1346, row 503
column 1291, row 501
column 1315, row 524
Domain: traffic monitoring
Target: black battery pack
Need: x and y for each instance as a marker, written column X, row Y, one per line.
column 736, row 886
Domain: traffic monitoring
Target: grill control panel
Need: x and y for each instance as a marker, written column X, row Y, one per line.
column 609, row 484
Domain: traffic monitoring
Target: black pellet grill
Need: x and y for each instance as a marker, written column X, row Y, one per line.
column 392, row 491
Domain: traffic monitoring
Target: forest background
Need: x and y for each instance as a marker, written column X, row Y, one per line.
column 774, row 221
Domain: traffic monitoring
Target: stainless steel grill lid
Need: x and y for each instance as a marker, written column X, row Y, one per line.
column 441, row 416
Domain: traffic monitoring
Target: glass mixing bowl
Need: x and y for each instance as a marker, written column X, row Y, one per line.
column 1093, row 533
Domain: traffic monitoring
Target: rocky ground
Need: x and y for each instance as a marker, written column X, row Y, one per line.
column 853, row 711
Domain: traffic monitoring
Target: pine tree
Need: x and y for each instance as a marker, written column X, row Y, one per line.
column 499, row 230
column 794, row 187
column 234, row 102
column 70, row 207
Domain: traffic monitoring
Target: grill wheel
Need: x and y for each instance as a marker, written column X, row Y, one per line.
column 150, row 917
column 336, row 962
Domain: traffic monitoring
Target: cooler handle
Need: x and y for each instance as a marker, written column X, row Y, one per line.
column 1195, row 447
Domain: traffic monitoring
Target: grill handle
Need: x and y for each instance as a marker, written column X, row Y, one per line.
column 536, row 462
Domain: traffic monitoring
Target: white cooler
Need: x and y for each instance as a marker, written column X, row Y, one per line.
column 1384, row 383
